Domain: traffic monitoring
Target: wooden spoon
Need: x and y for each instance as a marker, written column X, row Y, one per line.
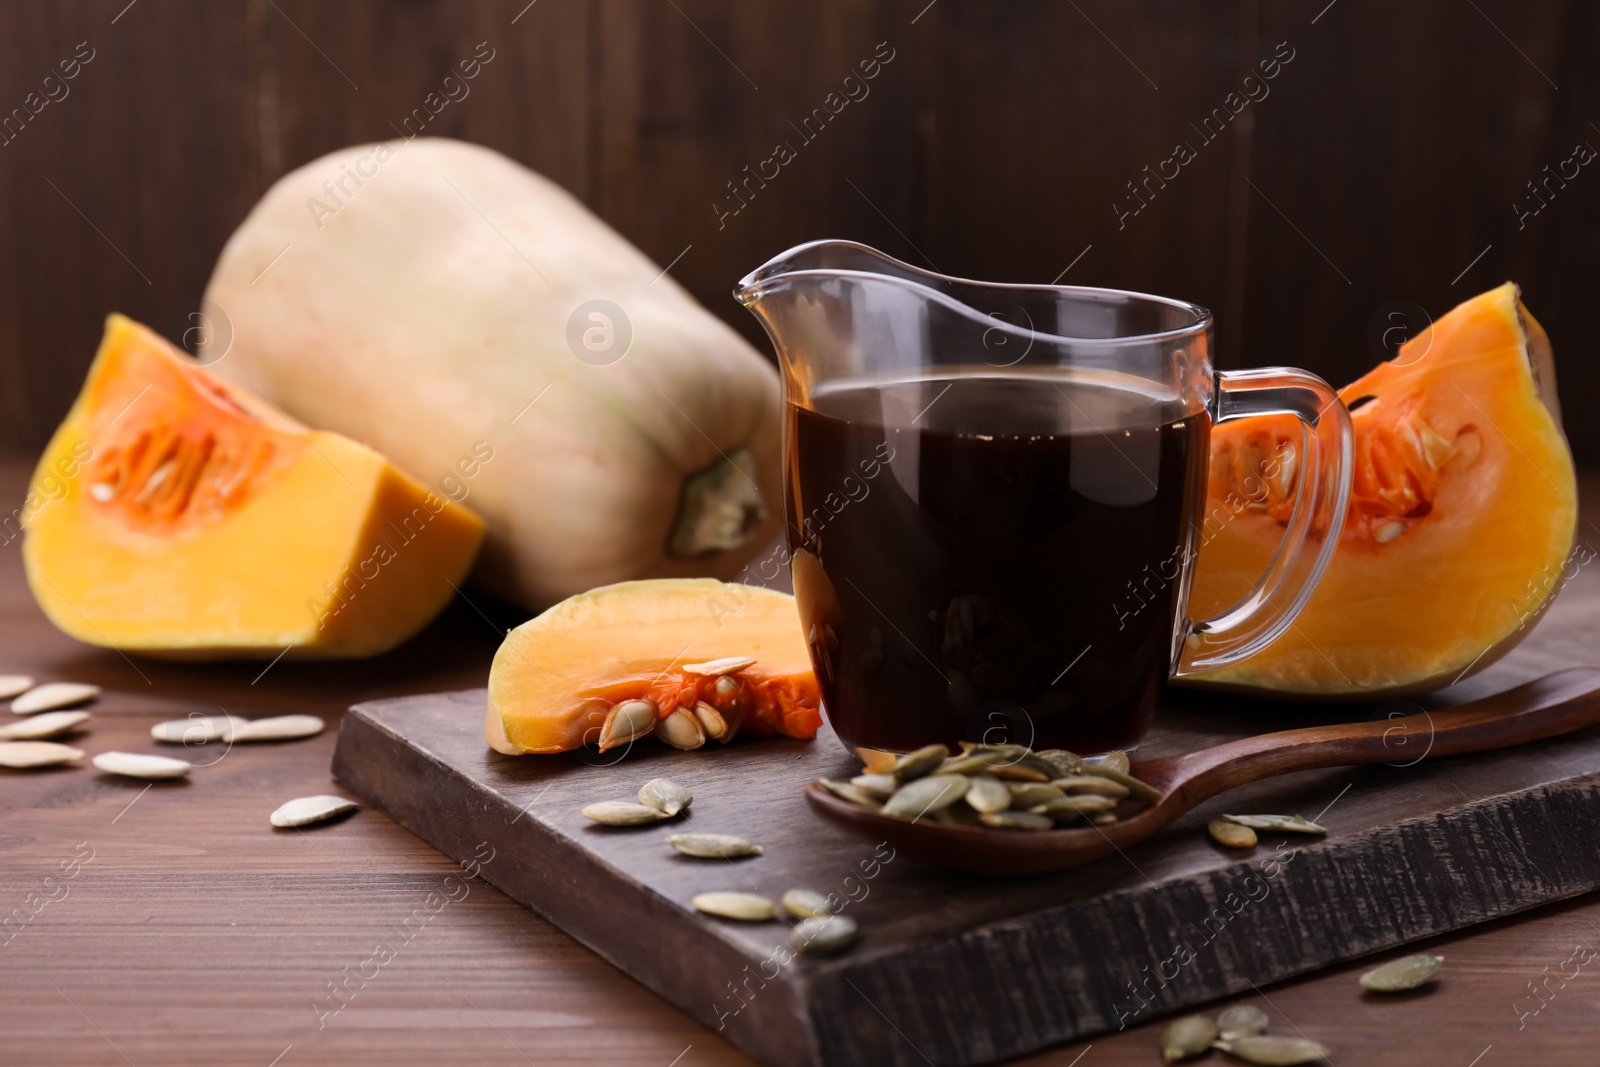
column 1553, row 705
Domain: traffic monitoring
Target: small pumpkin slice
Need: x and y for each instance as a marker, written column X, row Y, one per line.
column 557, row 677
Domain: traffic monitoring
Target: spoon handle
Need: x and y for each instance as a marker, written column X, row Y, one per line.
column 1547, row 707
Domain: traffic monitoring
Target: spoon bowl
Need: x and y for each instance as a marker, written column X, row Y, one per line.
column 1547, row 707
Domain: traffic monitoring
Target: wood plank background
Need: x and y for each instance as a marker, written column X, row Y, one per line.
column 1383, row 166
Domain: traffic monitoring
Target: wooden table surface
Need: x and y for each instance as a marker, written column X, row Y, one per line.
column 177, row 927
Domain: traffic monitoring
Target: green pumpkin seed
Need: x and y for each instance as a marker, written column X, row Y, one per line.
column 823, row 936
column 1230, row 834
column 1115, row 760
column 666, row 796
column 988, row 794
column 1017, row 820
column 879, row 786
column 1187, row 1037
column 848, row 791
column 1288, row 823
column 746, row 907
column 968, row 762
column 1407, row 972
column 1026, row 795
column 1242, row 1020
column 923, row 795
column 806, row 904
column 923, row 761
column 1265, row 1050
column 713, row 846
column 622, row 813
column 1064, row 763
column 1136, row 789
column 1091, row 783
column 1080, row 804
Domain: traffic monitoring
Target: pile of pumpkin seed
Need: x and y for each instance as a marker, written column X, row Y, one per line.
column 819, row 932
column 1007, row 787
column 27, row 744
column 1241, row 1031
column 1239, row 831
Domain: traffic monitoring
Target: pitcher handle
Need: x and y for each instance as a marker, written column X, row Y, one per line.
column 1322, row 496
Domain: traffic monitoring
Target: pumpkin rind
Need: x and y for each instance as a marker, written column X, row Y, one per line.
column 431, row 303
column 179, row 516
column 1462, row 516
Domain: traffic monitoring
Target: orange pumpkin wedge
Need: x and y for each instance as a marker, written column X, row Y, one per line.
column 175, row 514
column 1462, row 515
column 560, row 677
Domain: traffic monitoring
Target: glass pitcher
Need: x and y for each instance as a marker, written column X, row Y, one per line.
column 995, row 494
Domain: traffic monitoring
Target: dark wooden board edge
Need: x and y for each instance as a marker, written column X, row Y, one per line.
column 1285, row 916
column 570, row 887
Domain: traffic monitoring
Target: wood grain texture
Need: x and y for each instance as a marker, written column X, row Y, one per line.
column 199, row 936
column 1000, row 967
column 997, row 143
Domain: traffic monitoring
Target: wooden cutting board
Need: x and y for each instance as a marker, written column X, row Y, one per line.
column 963, row 969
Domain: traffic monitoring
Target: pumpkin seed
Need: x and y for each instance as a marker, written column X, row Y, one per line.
column 666, row 796
column 746, row 907
column 24, row 754
column 806, row 904
column 881, row 786
column 713, row 846
column 1078, row 804
column 1105, row 818
column 969, row 762
column 716, row 668
column 1117, row 761
column 137, row 765
column 923, row 795
column 682, row 730
column 854, row 794
column 826, row 935
column 1031, row 794
column 279, row 728
column 711, row 721
column 1188, row 1036
column 1025, row 768
column 196, row 731
column 1016, row 820
column 1064, row 763
column 1287, row 823
column 1230, row 834
column 1136, row 789
column 1265, row 1050
column 1242, row 1020
column 45, row 726
column 303, row 811
column 627, row 721
column 923, row 761
column 622, row 813
column 12, row 685
column 53, row 695
column 727, row 686
column 1407, row 972
column 1091, row 783
column 988, row 794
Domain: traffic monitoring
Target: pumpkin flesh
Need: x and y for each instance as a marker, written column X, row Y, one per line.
column 1463, row 511
column 198, row 522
